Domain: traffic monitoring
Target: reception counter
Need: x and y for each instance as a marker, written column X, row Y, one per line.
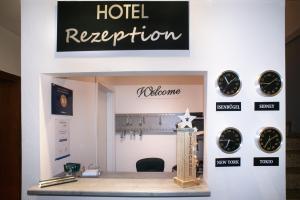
column 141, row 184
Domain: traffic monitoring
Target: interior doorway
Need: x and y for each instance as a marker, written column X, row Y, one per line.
column 10, row 135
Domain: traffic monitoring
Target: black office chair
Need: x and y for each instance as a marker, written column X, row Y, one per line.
column 150, row 165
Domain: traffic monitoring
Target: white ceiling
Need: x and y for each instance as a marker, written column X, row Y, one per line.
column 10, row 16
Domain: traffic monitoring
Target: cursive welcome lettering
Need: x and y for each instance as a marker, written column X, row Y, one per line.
column 151, row 91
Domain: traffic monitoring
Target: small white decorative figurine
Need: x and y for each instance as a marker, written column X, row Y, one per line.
column 186, row 120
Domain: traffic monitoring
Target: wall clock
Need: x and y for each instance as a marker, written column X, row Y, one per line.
column 230, row 140
column 269, row 139
column 229, row 83
column 270, row 83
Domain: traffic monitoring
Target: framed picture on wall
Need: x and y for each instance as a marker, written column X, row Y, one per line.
column 61, row 100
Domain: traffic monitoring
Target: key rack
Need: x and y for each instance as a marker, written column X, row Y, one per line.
column 152, row 123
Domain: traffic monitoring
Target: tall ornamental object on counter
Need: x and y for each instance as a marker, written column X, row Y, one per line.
column 186, row 152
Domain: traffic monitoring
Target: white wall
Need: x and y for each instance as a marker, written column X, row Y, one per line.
column 246, row 36
column 102, row 128
column 10, row 52
column 131, row 149
column 82, row 126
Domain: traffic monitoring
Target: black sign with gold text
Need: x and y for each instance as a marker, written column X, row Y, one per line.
column 122, row 25
column 228, row 162
column 228, row 106
column 266, row 106
column 266, row 161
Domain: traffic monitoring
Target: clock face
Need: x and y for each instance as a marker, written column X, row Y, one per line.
column 270, row 83
column 230, row 140
column 269, row 139
column 229, row 83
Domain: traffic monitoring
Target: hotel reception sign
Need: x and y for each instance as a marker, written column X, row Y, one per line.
column 122, row 25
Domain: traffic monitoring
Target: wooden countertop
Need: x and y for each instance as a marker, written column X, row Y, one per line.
column 141, row 184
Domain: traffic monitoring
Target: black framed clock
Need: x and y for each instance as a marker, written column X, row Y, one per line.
column 230, row 140
column 229, row 83
column 269, row 139
column 270, row 83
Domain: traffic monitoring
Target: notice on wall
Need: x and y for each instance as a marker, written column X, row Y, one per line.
column 62, row 138
column 122, row 25
column 61, row 100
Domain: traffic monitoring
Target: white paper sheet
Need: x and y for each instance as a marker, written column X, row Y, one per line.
column 62, row 138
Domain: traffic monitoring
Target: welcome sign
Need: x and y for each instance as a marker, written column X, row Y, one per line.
column 152, row 91
column 122, row 25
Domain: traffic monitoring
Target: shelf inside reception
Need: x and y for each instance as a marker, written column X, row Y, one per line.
column 124, row 184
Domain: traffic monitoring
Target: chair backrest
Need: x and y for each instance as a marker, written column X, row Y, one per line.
column 150, row 165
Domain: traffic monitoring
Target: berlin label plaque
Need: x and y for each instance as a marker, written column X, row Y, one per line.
column 228, row 106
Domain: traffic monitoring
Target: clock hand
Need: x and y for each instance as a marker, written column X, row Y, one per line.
column 267, row 142
column 273, row 137
column 228, row 83
column 268, row 83
column 227, row 143
column 231, row 80
column 226, row 80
